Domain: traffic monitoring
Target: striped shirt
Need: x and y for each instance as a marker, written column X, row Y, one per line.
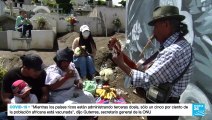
column 168, row 65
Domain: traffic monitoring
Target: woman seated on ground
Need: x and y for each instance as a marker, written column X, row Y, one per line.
column 63, row 78
column 84, row 49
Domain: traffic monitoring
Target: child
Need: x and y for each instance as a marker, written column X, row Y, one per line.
column 21, row 92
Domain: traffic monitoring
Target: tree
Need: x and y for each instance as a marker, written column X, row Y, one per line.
column 66, row 5
column 101, row 2
column 123, row 3
column 63, row 1
column 90, row 1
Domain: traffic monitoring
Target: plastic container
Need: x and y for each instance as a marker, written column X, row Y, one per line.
column 89, row 86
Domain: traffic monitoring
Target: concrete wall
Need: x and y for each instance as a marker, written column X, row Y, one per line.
column 27, row 2
column 99, row 21
column 29, row 7
column 15, row 44
column 80, row 2
column 55, row 22
column 58, row 22
column 2, row 5
column 92, row 22
column 3, row 40
column 51, row 21
column 41, row 39
column 15, row 11
column 107, row 15
column 7, row 24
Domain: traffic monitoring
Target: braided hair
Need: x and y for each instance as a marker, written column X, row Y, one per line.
column 179, row 26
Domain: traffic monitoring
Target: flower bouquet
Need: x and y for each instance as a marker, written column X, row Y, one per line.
column 72, row 22
column 117, row 24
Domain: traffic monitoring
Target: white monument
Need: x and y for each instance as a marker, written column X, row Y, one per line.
column 2, row 5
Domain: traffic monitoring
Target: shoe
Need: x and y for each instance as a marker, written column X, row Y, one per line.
column 23, row 36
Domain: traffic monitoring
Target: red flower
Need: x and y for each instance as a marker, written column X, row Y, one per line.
column 72, row 20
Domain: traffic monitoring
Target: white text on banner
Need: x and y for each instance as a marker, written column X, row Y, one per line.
column 100, row 110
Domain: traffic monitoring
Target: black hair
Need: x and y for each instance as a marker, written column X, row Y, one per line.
column 63, row 55
column 21, row 11
column 179, row 26
column 87, row 43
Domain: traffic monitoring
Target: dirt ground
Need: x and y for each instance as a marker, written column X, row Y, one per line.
column 11, row 59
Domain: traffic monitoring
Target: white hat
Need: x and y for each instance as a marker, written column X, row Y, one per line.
column 83, row 28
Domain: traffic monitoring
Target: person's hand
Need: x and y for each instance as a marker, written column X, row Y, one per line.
column 117, row 57
column 44, row 99
column 79, row 84
column 70, row 73
column 26, row 99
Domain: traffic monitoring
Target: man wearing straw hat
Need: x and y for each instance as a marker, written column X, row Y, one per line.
column 171, row 65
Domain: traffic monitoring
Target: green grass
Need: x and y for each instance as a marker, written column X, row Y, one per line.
column 2, row 73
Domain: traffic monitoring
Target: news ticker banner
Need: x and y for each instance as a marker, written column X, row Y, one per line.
column 106, row 110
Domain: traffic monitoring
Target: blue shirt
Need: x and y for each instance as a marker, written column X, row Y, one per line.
column 168, row 65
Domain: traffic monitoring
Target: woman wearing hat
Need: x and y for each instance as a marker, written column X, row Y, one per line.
column 172, row 63
column 84, row 49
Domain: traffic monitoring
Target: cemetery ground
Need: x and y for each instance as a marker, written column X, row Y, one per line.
column 10, row 59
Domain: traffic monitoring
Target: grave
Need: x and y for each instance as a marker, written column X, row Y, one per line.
column 41, row 39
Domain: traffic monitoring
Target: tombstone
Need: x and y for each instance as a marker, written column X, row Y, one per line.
column 81, row 2
column 7, row 22
column 27, row 2
column 50, row 21
column 41, row 9
column 109, row 3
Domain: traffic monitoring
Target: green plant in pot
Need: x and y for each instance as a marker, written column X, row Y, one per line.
column 117, row 24
column 41, row 21
column 3, row 71
column 72, row 21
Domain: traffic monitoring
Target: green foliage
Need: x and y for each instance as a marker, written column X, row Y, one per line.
column 117, row 22
column 123, row 3
column 90, row 1
column 101, row 2
column 41, row 19
column 34, row 1
column 67, row 7
column 2, row 73
column 50, row 3
column 63, row 1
